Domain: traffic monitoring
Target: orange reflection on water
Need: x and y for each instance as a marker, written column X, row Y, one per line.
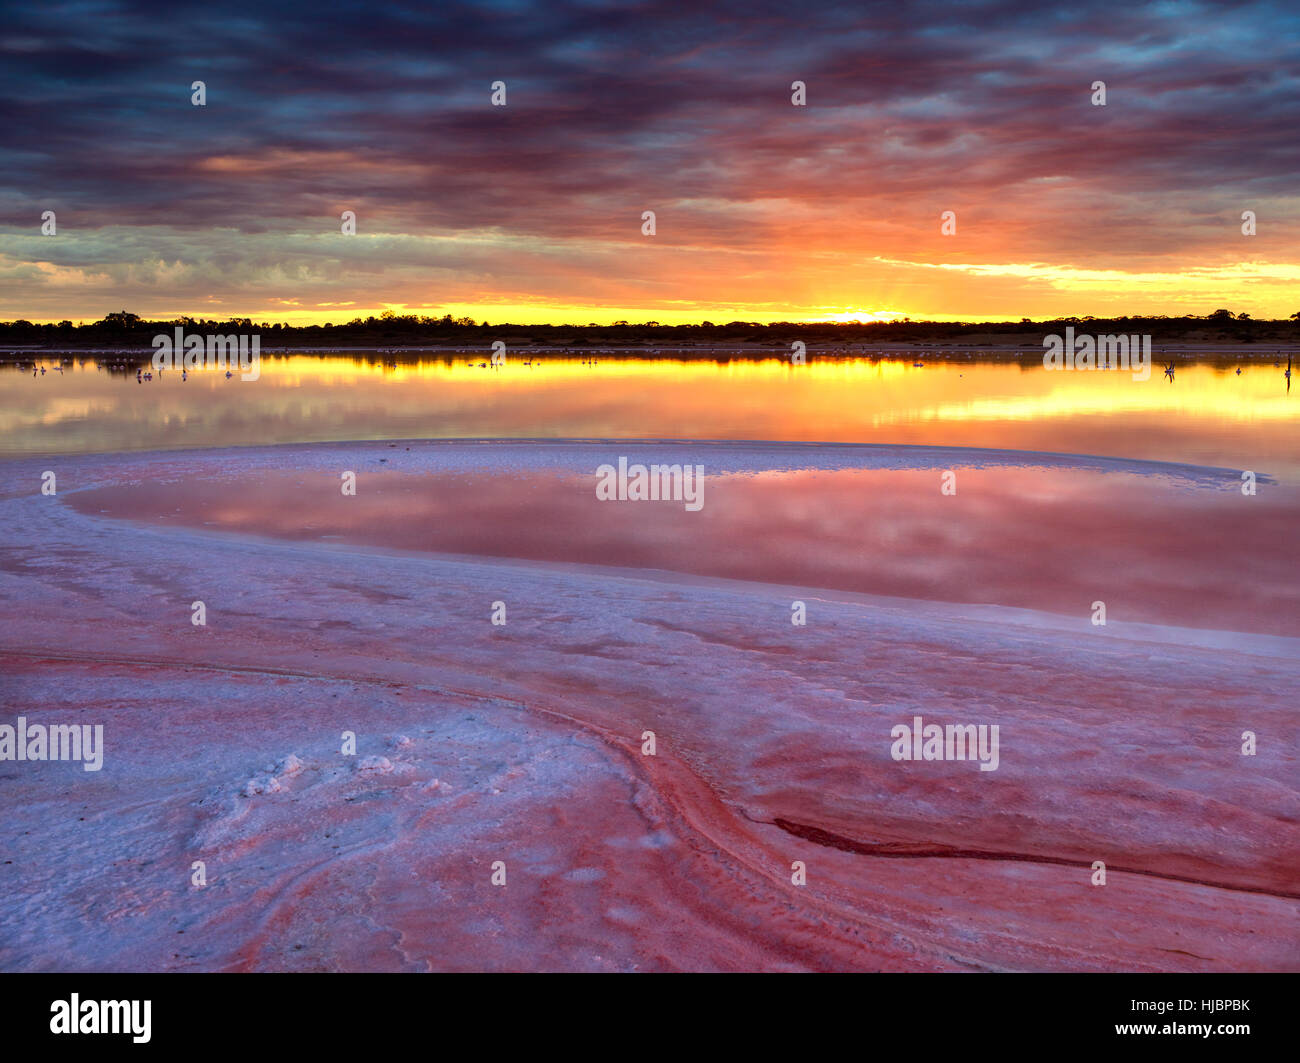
column 1206, row 415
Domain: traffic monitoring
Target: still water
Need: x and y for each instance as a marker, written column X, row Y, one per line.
column 1207, row 414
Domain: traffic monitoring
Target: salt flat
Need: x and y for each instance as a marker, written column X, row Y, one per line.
column 523, row 743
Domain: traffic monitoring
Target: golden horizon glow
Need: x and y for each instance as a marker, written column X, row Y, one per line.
column 525, row 316
column 522, row 314
column 823, row 289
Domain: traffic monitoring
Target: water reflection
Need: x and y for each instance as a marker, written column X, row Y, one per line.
column 1048, row 539
column 1222, row 414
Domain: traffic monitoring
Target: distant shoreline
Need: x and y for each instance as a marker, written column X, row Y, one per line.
column 1219, row 333
column 1183, row 353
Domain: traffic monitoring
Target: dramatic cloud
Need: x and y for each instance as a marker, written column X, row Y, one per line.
column 764, row 210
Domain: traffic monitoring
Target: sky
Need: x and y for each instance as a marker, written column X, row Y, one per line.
column 763, row 210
